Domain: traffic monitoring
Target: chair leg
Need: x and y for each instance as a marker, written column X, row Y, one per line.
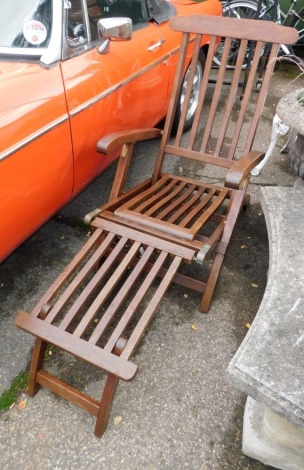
column 238, row 199
column 105, row 405
column 211, row 283
column 36, row 364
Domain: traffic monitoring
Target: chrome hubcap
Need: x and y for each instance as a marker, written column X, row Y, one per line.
column 194, row 91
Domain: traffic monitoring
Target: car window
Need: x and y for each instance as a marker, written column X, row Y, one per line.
column 134, row 9
column 25, row 24
column 76, row 31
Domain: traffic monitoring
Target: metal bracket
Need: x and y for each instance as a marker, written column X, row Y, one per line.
column 202, row 253
column 278, row 128
column 91, row 216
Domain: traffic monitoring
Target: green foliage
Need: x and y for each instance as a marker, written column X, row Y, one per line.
column 9, row 396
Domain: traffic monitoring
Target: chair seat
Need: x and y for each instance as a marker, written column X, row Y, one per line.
column 176, row 206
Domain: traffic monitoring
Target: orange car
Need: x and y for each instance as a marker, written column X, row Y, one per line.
column 68, row 76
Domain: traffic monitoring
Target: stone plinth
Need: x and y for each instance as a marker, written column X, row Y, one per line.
column 291, row 111
column 271, row 439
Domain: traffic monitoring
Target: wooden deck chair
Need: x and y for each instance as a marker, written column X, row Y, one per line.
column 102, row 303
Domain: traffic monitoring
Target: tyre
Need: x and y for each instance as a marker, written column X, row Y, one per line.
column 298, row 23
column 235, row 9
column 194, row 94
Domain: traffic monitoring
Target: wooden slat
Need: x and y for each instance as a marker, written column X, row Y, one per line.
column 216, row 96
column 245, row 99
column 68, row 271
column 198, row 156
column 92, row 285
column 174, row 100
column 191, row 74
column 184, row 280
column 179, row 186
column 231, row 97
column 137, row 199
column 133, row 305
column 113, row 204
column 188, row 216
column 259, row 106
column 206, row 214
column 179, row 250
column 120, row 297
column 150, row 310
column 152, row 200
column 203, row 90
column 80, row 277
column 192, row 244
column 154, row 224
column 230, row 27
column 106, row 290
column 106, row 361
column 180, row 202
column 184, row 208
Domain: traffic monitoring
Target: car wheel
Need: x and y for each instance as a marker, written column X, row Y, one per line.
column 194, row 94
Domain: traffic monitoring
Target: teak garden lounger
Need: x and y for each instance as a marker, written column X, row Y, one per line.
column 102, row 303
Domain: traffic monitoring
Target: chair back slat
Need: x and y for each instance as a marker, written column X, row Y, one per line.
column 248, row 95
column 187, row 98
column 207, row 70
column 231, row 98
column 262, row 95
column 216, row 96
column 228, row 104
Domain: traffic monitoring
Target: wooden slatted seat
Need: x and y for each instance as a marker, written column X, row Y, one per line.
column 102, row 303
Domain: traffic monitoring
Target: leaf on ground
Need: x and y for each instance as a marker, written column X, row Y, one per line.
column 22, row 405
column 248, row 325
column 117, row 420
column 194, row 326
column 186, row 296
column 254, row 285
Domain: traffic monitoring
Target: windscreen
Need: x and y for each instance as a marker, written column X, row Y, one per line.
column 26, row 23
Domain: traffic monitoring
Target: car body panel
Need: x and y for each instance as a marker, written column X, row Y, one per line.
column 109, row 92
column 51, row 117
column 36, row 159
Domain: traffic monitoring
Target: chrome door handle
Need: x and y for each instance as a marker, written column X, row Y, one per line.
column 157, row 44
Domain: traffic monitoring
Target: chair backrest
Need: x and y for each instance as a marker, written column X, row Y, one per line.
column 227, row 115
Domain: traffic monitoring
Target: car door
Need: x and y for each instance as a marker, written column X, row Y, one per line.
column 124, row 88
column 36, row 160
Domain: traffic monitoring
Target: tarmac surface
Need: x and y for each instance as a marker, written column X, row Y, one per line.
column 179, row 412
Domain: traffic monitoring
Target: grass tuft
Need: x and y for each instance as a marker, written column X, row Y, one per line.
column 9, row 396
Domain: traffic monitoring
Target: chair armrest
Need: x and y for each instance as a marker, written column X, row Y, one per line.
column 113, row 141
column 238, row 174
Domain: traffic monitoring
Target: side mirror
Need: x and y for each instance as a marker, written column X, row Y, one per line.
column 113, row 29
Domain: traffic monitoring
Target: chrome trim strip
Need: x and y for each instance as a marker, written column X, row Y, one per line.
column 110, row 90
column 22, row 143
